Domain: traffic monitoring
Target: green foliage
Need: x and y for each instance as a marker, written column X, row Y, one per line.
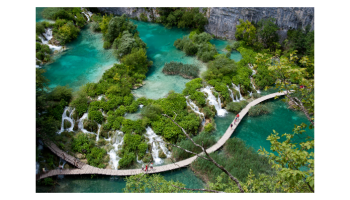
column 155, row 183
column 182, row 17
column 259, row 109
column 236, row 107
column 246, row 31
column 138, row 63
column 237, row 158
column 142, row 149
column 143, row 17
column 61, row 92
column 67, row 33
column 197, row 43
column 267, row 32
column 179, row 154
column 96, row 157
column 95, row 26
column 80, row 102
column 151, row 111
column 104, row 23
column 82, row 144
column 127, row 160
column 95, row 115
column 209, row 127
column 185, row 70
column 126, row 43
column 107, row 45
column 116, row 26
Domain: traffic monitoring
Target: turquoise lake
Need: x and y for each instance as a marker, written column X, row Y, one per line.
column 86, row 60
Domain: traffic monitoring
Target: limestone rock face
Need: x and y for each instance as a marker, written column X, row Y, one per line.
column 130, row 11
column 223, row 20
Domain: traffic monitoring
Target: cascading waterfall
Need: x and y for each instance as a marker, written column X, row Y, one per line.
column 239, row 91
column 47, row 37
column 68, row 118
column 195, row 109
column 251, row 67
column 100, row 97
column 88, row 14
column 81, row 124
column 157, row 143
column 98, row 132
column 231, row 94
column 141, row 106
column 251, row 81
column 212, row 101
column 114, row 158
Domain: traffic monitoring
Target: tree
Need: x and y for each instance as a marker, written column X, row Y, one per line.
column 267, row 33
column 246, row 31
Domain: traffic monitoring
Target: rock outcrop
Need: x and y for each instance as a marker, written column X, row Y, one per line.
column 222, row 21
column 131, row 12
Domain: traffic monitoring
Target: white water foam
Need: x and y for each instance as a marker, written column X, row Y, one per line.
column 47, row 37
column 157, row 144
column 195, row 109
column 251, row 81
column 118, row 142
column 88, row 14
column 239, row 91
column 212, row 101
column 68, row 118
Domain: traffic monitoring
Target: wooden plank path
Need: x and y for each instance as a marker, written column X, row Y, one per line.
column 87, row 169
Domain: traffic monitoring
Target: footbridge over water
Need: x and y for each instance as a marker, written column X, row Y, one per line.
column 83, row 168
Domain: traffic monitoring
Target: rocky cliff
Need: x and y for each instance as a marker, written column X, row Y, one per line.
column 223, row 20
column 131, row 12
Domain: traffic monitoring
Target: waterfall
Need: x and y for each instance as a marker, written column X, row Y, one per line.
column 239, row 91
column 88, row 14
column 195, row 109
column 251, row 67
column 100, row 97
column 68, row 118
column 114, row 158
column 141, row 106
column 251, row 81
column 81, row 124
column 157, row 144
column 231, row 94
column 98, row 132
column 47, row 37
column 212, row 101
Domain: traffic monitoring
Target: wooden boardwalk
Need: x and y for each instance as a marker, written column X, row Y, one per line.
column 87, row 169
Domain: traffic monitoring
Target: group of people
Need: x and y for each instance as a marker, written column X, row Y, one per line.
column 236, row 119
column 146, row 169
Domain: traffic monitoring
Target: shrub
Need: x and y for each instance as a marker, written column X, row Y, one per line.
column 143, row 17
column 142, row 149
column 208, row 112
column 259, row 109
column 147, row 158
column 179, row 154
column 236, row 107
column 185, row 70
column 90, row 126
column 256, row 95
column 127, row 160
column 61, row 92
column 95, row 158
column 82, row 144
column 209, row 127
column 96, row 115
column 106, row 45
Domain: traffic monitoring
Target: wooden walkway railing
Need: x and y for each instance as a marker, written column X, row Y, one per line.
column 87, row 169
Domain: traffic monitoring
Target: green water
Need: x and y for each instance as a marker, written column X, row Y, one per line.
column 38, row 16
column 220, row 46
column 103, row 184
column 83, row 62
column 254, row 130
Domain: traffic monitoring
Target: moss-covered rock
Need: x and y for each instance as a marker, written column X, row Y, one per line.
column 75, row 115
column 90, row 126
column 75, row 128
column 66, row 124
column 147, row 158
column 101, row 142
column 67, row 113
column 161, row 154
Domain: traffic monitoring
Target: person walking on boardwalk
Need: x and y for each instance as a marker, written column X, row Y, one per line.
column 146, row 168
column 151, row 165
column 143, row 166
column 237, row 118
column 231, row 126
